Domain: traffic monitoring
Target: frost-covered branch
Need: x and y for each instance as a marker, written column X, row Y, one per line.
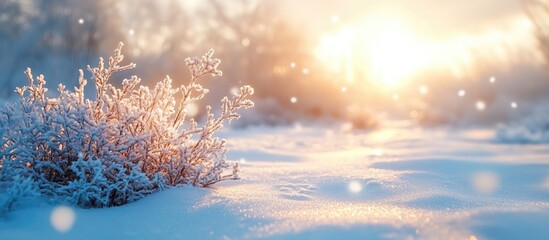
column 125, row 144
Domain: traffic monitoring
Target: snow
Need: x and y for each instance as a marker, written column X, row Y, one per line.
column 315, row 182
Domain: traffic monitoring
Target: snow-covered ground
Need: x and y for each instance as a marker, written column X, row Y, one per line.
column 399, row 182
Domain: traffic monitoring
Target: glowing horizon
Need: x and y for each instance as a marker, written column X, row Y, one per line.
column 390, row 52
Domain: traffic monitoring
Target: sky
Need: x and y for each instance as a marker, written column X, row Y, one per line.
column 416, row 35
column 437, row 46
column 445, row 16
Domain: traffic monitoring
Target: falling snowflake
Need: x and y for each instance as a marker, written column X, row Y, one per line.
column 293, row 99
column 245, row 42
column 423, row 90
column 461, row 93
column 480, row 105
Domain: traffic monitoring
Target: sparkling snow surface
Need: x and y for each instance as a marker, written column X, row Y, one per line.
column 399, row 182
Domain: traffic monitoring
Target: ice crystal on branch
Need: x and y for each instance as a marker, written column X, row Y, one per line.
column 203, row 65
column 125, row 144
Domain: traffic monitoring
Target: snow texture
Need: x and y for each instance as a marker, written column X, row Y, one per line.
column 299, row 183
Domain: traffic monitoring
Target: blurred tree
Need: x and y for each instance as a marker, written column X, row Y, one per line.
column 538, row 11
column 275, row 57
column 160, row 35
column 51, row 37
column 258, row 47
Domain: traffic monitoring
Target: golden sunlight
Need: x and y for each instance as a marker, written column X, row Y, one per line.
column 390, row 52
column 395, row 52
column 385, row 47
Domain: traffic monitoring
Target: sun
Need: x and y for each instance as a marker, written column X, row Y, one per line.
column 395, row 53
column 384, row 49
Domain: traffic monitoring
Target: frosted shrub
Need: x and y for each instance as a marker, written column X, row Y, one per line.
column 532, row 127
column 125, row 144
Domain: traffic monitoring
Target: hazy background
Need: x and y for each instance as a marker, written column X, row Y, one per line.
column 459, row 63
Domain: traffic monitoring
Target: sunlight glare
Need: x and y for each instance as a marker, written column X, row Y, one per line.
column 336, row 50
column 390, row 51
column 384, row 45
column 378, row 152
column 335, row 19
column 395, row 53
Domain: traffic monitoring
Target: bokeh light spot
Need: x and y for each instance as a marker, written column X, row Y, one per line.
column 545, row 183
column 62, row 218
column 378, row 152
column 191, row 110
column 245, row 42
column 485, row 182
column 423, row 90
column 480, row 105
column 354, row 186
column 235, row 91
